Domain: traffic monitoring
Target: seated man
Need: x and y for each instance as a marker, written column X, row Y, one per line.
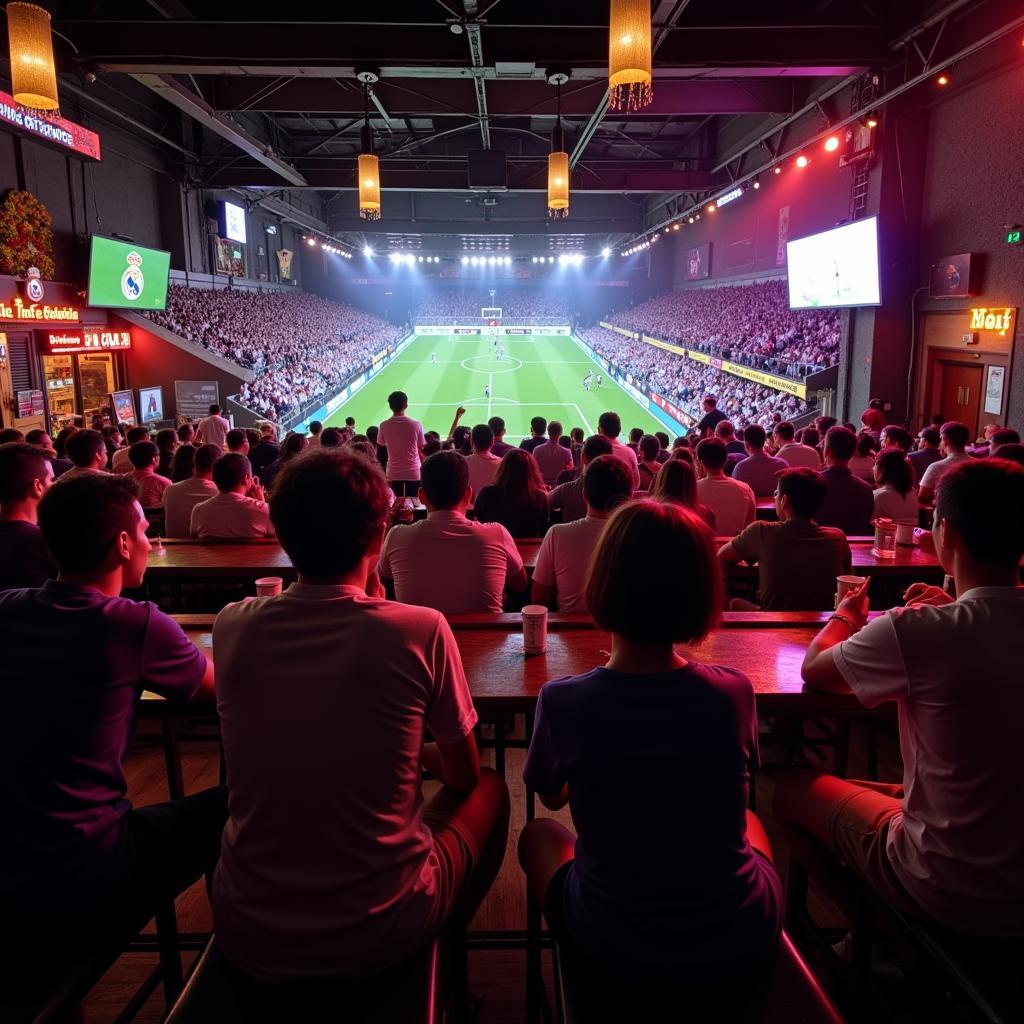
column 552, row 458
column 850, row 502
column 792, row 452
column 446, row 561
column 145, row 457
column 483, row 463
column 947, row 845
column 42, row 439
column 238, row 441
column 568, row 498
column 798, row 559
column 181, row 498
column 760, row 472
column 332, row 864
column 564, row 556
column 726, row 433
column 77, row 860
column 120, row 461
column 87, row 451
column 610, row 425
column 238, row 511
column 25, row 476
column 732, row 502
column 952, row 446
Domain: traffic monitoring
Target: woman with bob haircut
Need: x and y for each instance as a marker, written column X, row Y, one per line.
column 670, row 880
column 517, row 498
column 895, row 496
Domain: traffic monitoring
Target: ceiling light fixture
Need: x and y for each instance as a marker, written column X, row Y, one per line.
column 33, row 74
column 630, row 73
column 368, row 165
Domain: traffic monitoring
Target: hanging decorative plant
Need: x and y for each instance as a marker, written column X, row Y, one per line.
column 26, row 235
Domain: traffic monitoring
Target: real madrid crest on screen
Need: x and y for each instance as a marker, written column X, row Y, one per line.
column 132, row 281
column 34, row 285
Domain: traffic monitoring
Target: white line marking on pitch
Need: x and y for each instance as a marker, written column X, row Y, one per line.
column 490, row 383
column 584, row 418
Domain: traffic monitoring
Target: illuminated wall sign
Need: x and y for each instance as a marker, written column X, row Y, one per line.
column 729, row 197
column 18, row 309
column 998, row 320
column 58, row 342
column 66, row 134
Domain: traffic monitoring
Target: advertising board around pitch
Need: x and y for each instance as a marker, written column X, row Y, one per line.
column 123, row 275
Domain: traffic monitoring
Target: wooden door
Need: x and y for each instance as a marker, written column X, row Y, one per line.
column 960, row 393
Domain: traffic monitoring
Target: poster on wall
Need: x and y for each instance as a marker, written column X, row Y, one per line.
column 780, row 251
column 698, row 262
column 230, row 257
column 123, row 406
column 193, row 398
column 994, row 389
column 284, row 263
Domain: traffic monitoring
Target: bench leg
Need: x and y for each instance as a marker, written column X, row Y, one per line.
column 170, row 953
column 172, row 759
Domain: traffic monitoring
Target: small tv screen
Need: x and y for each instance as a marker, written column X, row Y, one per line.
column 835, row 268
column 123, row 275
column 232, row 222
column 151, row 404
column 123, row 407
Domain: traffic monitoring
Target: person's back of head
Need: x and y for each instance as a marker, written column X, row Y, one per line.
column 350, row 422
column 315, row 426
column 840, row 444
column 754, row 437
column 331, row 438
column 635, row 434
column 898, row 437
column 724, row 431
column 371, row 433
column 865, row 444
column 626, row 597
column 805, row 489
column 85, row 447
column 682, row 441
column 497, row 425
column 329, row 510
column 662, row 438
column 609, row 424
column 482, row 438
column 648, row 447
column 25, row 473
column 230, row 472
column 930, row 437
column 293, row 444
column 784, row 432
column 1011, row 453
column 595, row 446
column 253, row 437
column 892, row 468
column 682, row 455
column 236, row 440
column 204, row 459
column 676, row 481
column 554, row 431
column 40, row 437
column 983, row 502
column 607, row 482
column 809, row 436
column 182, row 463
column 398, row 401
column 710, row 402
column 712, row 454
column 215, row 409
column 142, row 454
column 137, row 434
column 1004, row 435
column 823, row 424
column 955, row 435
column 461, row 440
column 11, row 435
column 538, row 425
column 444, row 480
column 166, row 440
column 82, row 517
column 186, row 432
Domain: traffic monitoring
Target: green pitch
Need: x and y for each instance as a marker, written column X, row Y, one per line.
column 540, row 376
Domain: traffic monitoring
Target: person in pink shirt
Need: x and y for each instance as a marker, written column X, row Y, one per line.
column 403, row 438
column 238, row 510
column 144, row 456
column 947, row 844
column 483, row 463
column 551, row 457
column 332, row 862
column 610, row 425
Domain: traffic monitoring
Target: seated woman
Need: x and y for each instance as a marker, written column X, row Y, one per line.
column 677, row 482
column 670, row 881
column 895, row 496
column 863, row 462
column 648, row 450
column 517, row 499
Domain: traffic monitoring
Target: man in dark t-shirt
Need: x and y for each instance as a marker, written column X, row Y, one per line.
column 538, row 429
column 711, row 418
column 25, row 476
column 77, row 860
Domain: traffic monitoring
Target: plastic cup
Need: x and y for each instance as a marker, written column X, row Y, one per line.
column 535, row 629
column 885, row 539
column 844, row 584
column 905, row 535
column 269, row 586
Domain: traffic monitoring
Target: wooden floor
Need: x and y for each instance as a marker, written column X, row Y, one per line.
column 496, row 977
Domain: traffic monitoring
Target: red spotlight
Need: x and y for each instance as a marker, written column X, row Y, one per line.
column 831, row 144
column 943, row 79
column 802, row 161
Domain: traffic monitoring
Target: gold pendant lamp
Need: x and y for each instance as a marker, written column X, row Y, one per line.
column 630, row 73
column 33, row 74
column 558, row 158
column 368, row 165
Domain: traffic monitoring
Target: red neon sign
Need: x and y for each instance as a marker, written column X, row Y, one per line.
column 50, row 128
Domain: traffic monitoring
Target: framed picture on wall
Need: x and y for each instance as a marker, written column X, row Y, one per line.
column 994, row 381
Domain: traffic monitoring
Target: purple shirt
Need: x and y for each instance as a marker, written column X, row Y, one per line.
column 849, row 504
column 24, row 557
column 688, row 898
column 75, row 662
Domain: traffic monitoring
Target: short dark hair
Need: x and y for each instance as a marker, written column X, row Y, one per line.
column 497, row 424
column 607, row 482
column 36, row 435
column 710, row 400
column 186, row 430
column 166, row 439
column 983, row 501
column 894, row 469
column 20, row 464
column 823, row 424
column 350, row 421
column 538, row 424
column 1011, row 453
column 1005, row 435
column 554, row 428
column 84, row 445
column 931, row 435
column 785, row 430
column 635, row 433
column 234, row 439
column 955, row 433
column 810, row 436
column 11, row 435
column 712, row 453
column 205, row 457
column 482, row 437
column 397, row 401
column 214, row 409
column 597, row 445
column 253, row 437
column 230, row 471
column 805, row 488
column 840, row 443
column 898, row 436
column 136, row 434
column 141, row 454
column 755, row 435
column 662, row 437
column 625, row 597
column 609, row 424
column 444, row 478
column 315, row 426
column 183, row 462
column 331, row 438
column 81, row 517
column 327, row 508
column 649, row 446
column 724, row 429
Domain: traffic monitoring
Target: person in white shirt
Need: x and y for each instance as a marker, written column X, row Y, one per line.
column 331, row 700
column 446, row 561
column 954, row 438
column 564, row 557
column 315, row 430
column 483, row 463
column 947, row 844
column 182, row 497
column 895, row 497
column 238, row 511
column 793, row 454
column 121, row 461
column 403, row 438
column 610, row 426
column 552, row 458
column 732, row 502
column 214, row 429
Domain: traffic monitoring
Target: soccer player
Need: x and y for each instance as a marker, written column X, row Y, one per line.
column 600, row 381
column 433, row 357
column 487, row 391
column 586, row 380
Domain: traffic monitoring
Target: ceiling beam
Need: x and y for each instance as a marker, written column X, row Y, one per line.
column 476, row 59
column 519, row 228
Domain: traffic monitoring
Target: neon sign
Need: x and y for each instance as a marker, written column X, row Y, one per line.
column 998, row 320
column 91, row 339
column 729, row 196
column 50, row 128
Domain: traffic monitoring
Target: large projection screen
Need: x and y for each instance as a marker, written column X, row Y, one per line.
column 835, row 268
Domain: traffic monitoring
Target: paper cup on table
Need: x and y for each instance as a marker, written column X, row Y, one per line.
column 535, row 629
column 268, row 586
column 844, row 584
column 905, row 535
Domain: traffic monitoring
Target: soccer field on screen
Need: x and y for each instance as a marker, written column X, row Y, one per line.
column 538, row 376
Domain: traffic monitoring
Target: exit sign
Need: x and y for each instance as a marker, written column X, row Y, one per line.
column 1013, row 236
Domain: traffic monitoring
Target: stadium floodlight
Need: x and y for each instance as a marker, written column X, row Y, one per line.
column 508, row 261
column 606, row 251
column 551, row 259
column 577, row 259
column 562, row 260
column 465, row 261
column 395, row 257
column 367, row 250
column 420, row 258
column 491, row 260
column 409, row 259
